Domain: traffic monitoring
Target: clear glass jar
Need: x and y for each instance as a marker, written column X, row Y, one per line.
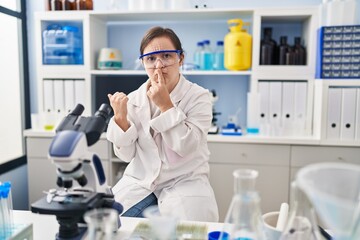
column 102, row 223
column 243, row 219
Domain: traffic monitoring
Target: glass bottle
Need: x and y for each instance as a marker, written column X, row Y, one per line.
column 268, row 48
column 219, row 56
column 69, row 5
column 243, row 219
column 283, row 49
column 302, row 222
column 299, row 51
column 102, row 223
column 84, row 4
column 56, row 5
column 197, row 53
column 206, row 57
column 290, row 57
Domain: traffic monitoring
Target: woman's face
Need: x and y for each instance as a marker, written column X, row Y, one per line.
column 171, row 72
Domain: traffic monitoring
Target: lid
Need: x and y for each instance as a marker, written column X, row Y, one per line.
column 235, row 25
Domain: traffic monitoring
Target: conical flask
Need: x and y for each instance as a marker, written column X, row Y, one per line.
column 302, row 224
column 243, row 219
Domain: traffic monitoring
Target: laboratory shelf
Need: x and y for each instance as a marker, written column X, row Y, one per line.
column 142, row 72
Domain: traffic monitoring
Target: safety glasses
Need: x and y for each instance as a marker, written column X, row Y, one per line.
column 166, row 57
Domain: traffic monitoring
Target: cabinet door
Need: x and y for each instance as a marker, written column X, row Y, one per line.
column 272, row 162
column 272, row 185
column 42, row 177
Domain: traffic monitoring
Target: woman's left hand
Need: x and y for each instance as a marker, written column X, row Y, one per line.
column 158, row 92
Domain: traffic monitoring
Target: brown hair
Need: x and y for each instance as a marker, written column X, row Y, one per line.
column 160, row 32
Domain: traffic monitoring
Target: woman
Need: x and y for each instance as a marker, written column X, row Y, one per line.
column 160, row 130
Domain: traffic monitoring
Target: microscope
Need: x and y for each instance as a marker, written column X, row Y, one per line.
column 74, row 162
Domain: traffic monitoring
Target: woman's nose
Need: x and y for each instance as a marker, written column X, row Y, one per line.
column 159, row 63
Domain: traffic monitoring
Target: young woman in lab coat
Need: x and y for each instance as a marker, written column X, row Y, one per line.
column 160, row 130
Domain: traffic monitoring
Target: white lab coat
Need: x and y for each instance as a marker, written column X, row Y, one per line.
column 174, row 162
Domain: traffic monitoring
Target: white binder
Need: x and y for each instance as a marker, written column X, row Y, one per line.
column 288, row 105
column 79, row 92
column 48, row 93
column 357, row 125
column 264, row 107
column 275, row 107
column 334, row 113
column 348, row 113
column 300, row 107
column 69, row 88
column 59, row 95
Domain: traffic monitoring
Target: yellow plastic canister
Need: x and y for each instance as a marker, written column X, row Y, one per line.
column 237, row 47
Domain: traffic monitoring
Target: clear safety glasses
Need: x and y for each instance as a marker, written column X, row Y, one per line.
column 167, row 58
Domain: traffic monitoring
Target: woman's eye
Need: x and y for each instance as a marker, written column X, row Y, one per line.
column 150, row 59
column 167, row 56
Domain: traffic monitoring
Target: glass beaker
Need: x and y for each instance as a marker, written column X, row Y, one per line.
column 302, row 222
column 102, row 223
column 243, row 219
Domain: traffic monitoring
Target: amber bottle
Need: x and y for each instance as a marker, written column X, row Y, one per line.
column 85, row 5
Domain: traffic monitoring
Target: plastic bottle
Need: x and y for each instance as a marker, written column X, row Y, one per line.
column 283, row 49
column 243, row 219
column 268, row 49
column 237, row 47
column 219, row 56
column 206, row 57
column 197, row 53
column 300, row 52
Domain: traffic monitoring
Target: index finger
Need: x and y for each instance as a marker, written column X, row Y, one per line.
column 160, row 77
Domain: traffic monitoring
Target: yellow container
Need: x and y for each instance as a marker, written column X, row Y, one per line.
column 237, row 47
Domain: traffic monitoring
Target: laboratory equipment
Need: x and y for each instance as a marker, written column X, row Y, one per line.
column 110, row 59
column 102, row 223
column 243, row 219
column 206, row 56
column 85, row 4
column 237, row 47
column 163, row 224
column 302, row 222
column 300, row 52
column 197, row 53
column 270, row 220
column 334, row 190
column 214, row 129
column 62, row 44
column 283, row 50
column 74, row 162
column 253, row 113
column 218, row 63
column 268, row 48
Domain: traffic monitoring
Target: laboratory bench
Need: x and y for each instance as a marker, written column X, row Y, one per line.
column 276, row 158
column 46, row 226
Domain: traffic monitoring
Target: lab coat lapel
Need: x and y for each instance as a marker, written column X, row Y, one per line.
column 142, row 108
column 180, row 90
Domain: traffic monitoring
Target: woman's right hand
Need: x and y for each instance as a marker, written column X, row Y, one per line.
column 118, row 102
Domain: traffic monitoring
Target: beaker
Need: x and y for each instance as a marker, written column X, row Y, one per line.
column 163, row 224
column 302, row 222
column 102, row 223
column 243, row 219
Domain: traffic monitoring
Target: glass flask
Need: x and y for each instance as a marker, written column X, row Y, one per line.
column 102, row 223
column 302, row 222
column 243, row 219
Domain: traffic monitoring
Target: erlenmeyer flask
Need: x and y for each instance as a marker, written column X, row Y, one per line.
column 302, row 222
column 243, row 219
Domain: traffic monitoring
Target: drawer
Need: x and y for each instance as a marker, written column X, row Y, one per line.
column 39, row 147
column 264, row 154
column 304, row 155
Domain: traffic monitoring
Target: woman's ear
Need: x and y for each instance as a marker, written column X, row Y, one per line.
column 182, row 57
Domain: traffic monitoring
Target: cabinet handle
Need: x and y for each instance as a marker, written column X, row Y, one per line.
column 244, row 155
column 341, row 159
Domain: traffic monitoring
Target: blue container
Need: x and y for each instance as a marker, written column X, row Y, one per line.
column 62, row 45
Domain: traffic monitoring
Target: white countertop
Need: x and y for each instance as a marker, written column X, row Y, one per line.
column 46, row 226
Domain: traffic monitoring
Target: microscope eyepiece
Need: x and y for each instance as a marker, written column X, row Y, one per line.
column 104, row 111
column 78, row 110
